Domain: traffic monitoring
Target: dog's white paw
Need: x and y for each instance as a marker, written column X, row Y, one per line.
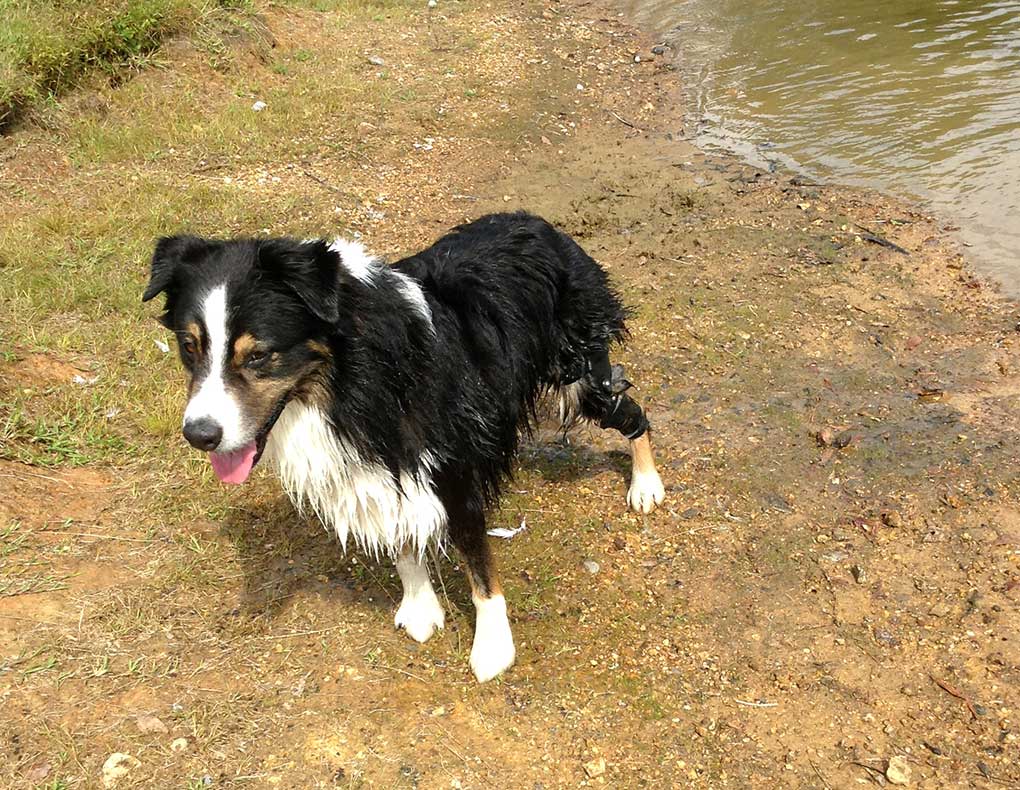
column 492, row 652
column 420, row 615
column 646, row 492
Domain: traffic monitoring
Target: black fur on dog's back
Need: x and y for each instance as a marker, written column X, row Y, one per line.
column 517, row 307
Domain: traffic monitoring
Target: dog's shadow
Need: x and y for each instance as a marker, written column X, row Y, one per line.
column 283, row 553
column 570, row 457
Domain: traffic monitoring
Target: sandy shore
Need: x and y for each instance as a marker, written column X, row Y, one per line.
column 832, row 583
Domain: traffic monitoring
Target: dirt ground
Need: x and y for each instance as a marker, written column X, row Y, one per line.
column 831, row 585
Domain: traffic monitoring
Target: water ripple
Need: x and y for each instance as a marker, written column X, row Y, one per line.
column 876, row 93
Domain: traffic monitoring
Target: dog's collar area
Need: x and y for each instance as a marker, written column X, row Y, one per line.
column 263, row 435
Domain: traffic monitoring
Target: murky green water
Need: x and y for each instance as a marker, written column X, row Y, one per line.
column 917, row 98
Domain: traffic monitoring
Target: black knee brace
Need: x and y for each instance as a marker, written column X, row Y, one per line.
column 625, row 416
column 618, row 410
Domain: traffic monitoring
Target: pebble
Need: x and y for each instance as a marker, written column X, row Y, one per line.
column 179, row 745
column 259, row 106
column 898, row 772
column 891, row 518
column 591, row 566
column 117, row 766
column 595, row 767
column 148, row 723
column 375, row 60
column 658, row 49
column 859, row 574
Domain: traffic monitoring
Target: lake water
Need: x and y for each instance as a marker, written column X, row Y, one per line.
column 916, row 98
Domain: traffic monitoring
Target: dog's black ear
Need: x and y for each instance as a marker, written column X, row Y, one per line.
column 171, row 253
column 310, row 269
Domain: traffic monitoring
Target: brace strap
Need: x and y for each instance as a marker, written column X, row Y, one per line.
column 625, row 416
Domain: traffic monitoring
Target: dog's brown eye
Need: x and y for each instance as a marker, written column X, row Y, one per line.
column 256, row 359
column 189, row 345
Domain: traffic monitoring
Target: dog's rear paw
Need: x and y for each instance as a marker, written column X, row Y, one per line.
column 420, row 615
column 646, row 492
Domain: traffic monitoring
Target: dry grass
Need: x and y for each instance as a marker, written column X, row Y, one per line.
column 250, row 635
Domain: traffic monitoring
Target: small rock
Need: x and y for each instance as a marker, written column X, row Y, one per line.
column 37, row 773
column 148, row 723
column 259, row 106
column 432, row 3
column 375, row 60
column 886, row 638
column 898, row 772
column 179, row 745
column 891, row 518
column 859, row 574
column 619, row 543
column 117, row 766
column 691, row 512
column 658, row 49
column 595, row 767
column 591, row 566
column 824, row 436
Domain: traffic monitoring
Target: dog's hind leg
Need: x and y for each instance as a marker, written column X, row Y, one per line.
column 492, row 651
column 420, row 612
column 601, row 397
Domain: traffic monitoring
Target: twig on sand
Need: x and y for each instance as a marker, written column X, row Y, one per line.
column 757, row 704
column 874, row 238
column 293, row 634
column 622, row 120
column 326, row 184
column 872, row 769
column 819, row 774
column 403, row 672
column 955, row 692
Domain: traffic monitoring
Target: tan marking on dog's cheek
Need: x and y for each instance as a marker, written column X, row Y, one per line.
column 259, row 397
column 243, row 347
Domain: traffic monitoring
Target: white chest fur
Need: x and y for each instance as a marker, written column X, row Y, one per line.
column 352, row 497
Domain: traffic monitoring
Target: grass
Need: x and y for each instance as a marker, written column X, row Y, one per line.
column 180, row 146
column 47, row 45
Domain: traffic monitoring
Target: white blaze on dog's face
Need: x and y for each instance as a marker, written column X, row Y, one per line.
column 212, row 403
column 252, row 320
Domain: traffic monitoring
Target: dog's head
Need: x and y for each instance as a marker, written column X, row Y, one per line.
column 252, row 319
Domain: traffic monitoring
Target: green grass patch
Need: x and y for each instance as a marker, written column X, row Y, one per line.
column 47, row 45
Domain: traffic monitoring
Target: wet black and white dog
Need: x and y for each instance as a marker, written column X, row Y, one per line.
column 390, row 399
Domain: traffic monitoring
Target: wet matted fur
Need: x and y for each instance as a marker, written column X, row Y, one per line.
column 391, row 399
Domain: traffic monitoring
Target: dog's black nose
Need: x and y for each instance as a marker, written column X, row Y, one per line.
column 203, row 434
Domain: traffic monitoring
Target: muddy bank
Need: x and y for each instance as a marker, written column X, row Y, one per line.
column 832, row 583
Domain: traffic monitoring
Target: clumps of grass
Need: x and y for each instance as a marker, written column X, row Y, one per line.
column 47, row 46
column 21, row 570
column 67, row 441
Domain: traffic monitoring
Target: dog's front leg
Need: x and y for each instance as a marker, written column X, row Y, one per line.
column 420, row 612
column 492, row 651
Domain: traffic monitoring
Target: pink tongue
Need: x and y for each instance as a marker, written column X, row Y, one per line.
column 236, row 466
